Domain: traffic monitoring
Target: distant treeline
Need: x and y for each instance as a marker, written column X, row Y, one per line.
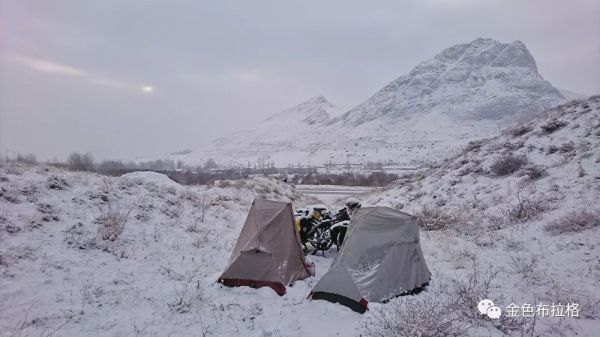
column 209, row 172
column 347, row 179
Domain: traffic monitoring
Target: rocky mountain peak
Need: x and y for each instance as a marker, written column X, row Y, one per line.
column 311, row 111
column 483, row 79
column 488, row 52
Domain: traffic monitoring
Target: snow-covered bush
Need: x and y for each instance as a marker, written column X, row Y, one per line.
column 508, row 164
column 525, row 265
column 432, row 218
column 469, row 291
column 171, row 211
column 30, row 189
column 526, row 208
column 532, row 171
column 9, row 195
column 55, row 182
column 474, row 145
column 553, row 125
column 408, row 317
column 576, row 221
column 513, row 145
column 112, row 220
column 188, row 292
column 567, row 147
column 519, row 130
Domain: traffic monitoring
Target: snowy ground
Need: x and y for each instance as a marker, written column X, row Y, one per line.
column 158, row 278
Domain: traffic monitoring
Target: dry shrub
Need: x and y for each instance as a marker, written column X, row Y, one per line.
column 575, row 221
column 553, row 125
column 188, row 292
column 30, row 189
column 567, row 147
column 465, row 170
column 474, row 145
column 510, row 326
column 519, row 130
column 495, row 221
column 468, row 292
column 408, row 317
column 55, row 182
column 532, row 171
column 513, row 146
column 468, row 219
column 552, row 149
column 525, row 265
column 432, row 218
column 10, row 195
column 508, row 164
column 144, row 208
column 526, row 208
column 172, row 211
column 190, row 196
column 112, row 220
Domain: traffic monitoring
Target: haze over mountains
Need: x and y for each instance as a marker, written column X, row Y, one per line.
column 466, row 92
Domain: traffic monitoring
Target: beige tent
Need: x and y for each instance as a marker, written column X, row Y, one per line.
column 381, row 258
column 268, row 250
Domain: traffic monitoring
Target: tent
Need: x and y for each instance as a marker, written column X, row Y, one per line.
column 381, row 258
column 268, row 251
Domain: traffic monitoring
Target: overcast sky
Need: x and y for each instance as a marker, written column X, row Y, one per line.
column 134, row 78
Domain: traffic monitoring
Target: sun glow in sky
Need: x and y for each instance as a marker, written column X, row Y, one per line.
column 147, row 89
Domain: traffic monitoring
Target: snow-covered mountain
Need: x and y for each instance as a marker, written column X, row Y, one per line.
column 312, row 111
column 468, row 91
column 277, row 130
column 570, row 95
column 484, row 79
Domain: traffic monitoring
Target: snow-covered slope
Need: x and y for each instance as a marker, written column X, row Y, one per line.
column 570, row 95
column 313, row 111
column 466, row 92
column 523, row 205
column 276, row 133
column 558, row 144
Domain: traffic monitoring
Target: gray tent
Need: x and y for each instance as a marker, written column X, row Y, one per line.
column 268, row 251
column 381, row 258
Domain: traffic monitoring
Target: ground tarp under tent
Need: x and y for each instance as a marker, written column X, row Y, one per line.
column 381, row 258
column 268, row 251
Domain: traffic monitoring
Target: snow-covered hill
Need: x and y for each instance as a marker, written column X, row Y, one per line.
column 466, row 92
column 277, row 132
column 521, row 209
